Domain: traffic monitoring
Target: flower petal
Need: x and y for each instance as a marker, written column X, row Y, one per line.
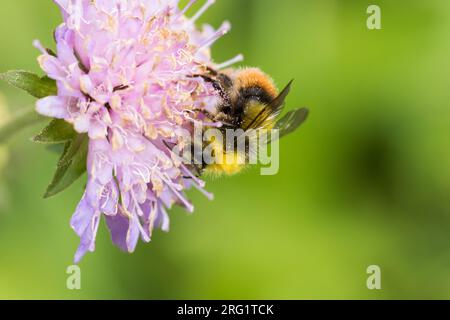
column 54, row 107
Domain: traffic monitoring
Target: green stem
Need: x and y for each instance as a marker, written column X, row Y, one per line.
column 19, row 121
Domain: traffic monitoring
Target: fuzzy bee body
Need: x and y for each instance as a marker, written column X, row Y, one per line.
column 249, row 102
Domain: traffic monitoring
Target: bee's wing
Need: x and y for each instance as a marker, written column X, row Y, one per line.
column 278, row 103
column 291, row 122
column 272, row 110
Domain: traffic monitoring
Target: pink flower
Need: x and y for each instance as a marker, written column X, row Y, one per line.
column 124, row 75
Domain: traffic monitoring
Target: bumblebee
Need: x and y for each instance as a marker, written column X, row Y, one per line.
column 249, row 101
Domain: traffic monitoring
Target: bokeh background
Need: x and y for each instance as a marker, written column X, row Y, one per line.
column 366, row 181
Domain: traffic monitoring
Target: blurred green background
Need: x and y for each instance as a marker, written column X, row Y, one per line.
column 366, row 181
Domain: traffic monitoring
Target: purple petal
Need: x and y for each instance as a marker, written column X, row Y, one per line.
column 124, row 231
column 54, row 107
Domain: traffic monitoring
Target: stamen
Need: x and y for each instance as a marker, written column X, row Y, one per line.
column 202, row 10
column 207, row 124
column 223, row 30
column 186, row 8
column 189, row 207
column 198, row 182
column 140, row 213
column 37, row 44
column 165, row 225
column 207, row 194
column 152, row 218
column 105, row 203
column 211, row 124
column 145, row 237
column 237, row 59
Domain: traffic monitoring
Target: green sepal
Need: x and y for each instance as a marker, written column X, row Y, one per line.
column 71, row 165
column 39, row 87
column 56, row 148
column 57, row 132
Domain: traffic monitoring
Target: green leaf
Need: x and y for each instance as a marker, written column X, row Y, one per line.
column 33, row 84
column 71, row 165
column 56, row 148
column 58, row 131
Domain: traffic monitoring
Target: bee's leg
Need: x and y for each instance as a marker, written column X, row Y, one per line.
column 198, row 171
column 206, row 113
column 224, row 80
column 197, row 174
column 217, row 85
column 191, row 178
column 211, row 71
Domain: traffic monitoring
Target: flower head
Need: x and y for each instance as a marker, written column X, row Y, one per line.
column 124, row 71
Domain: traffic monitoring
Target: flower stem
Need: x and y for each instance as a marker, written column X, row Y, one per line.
column 19, row 121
